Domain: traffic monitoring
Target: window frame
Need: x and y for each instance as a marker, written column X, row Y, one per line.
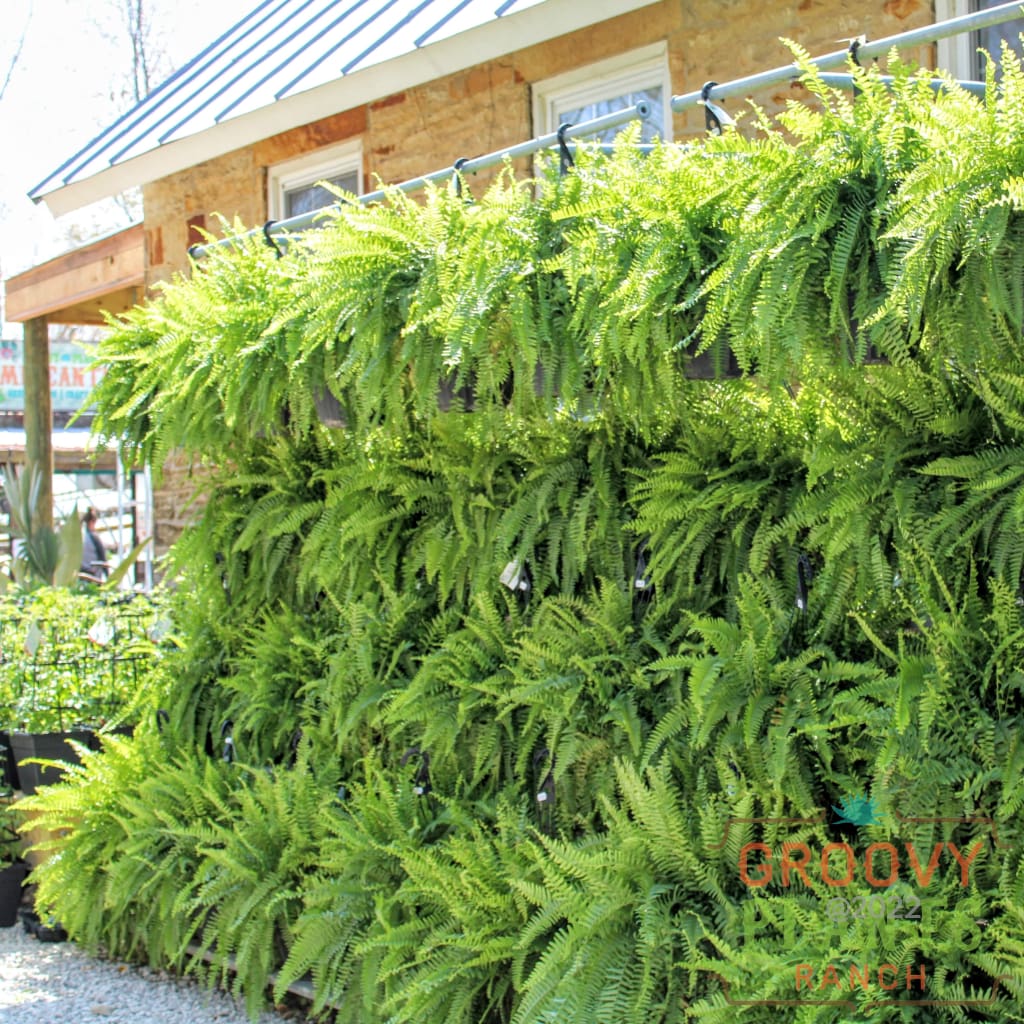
column 957, row 53
column 308, row 169
column 602, row 80
column 954, row 54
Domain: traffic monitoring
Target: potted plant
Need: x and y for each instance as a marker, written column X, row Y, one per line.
column 49, row 675
column 12, row 868
column 71, row 667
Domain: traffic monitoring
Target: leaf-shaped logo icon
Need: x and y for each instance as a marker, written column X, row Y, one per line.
column 857, row 810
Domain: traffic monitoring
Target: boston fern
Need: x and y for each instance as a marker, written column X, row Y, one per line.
column 532, row 643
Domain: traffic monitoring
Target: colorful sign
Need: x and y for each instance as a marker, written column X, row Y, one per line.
column 72, row 376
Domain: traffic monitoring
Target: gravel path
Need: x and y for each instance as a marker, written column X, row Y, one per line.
column 56, row 983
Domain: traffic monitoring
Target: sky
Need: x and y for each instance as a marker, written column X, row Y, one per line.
column 71, row 82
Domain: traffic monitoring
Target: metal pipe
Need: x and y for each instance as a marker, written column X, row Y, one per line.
column 611, row 148
column 836, row 80
column 640, row 111
column 150, row 524
column 749, row 83
column 878, row 48
column 121, row 485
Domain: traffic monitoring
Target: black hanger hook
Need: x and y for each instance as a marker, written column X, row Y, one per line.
column 269, row 238
column 421, row 783
column 229, row 741
column 565, row 158
column 457, row 174
column 643, row 587
column 855, row 45
column 804, row 579
column 712, row 113
column 545, row 791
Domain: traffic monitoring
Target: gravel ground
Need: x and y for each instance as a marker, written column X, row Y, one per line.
column 56, row 983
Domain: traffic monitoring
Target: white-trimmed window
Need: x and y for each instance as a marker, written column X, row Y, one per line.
column 960, row 53
column 293, row 186
column 606, row 87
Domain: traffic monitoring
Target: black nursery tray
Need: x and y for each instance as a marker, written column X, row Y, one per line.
column 51, row 932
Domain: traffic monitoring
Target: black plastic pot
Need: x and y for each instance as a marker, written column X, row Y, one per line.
column 44, row 932
column 97, row 736
column 12, row 878
column 452, row 398
column 716, row 363
column 329, row 410
column 52, row 746
column 8, row 764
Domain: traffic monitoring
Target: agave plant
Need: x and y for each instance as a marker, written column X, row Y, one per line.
column 44, row 554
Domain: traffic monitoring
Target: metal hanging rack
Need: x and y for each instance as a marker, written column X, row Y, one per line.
column 641, row 111
column 843, row 81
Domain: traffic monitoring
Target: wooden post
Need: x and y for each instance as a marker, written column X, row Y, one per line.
column 39, row 416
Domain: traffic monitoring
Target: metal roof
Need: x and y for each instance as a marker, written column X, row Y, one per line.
column 285, row 49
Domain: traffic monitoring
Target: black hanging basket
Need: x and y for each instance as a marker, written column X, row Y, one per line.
column 716, row 363
column 872, row 356
column 452, row 397
column 329, row 410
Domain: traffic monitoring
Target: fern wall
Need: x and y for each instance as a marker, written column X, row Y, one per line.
column 748, row 598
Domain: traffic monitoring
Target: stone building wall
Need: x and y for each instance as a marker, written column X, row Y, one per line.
column 489, row 107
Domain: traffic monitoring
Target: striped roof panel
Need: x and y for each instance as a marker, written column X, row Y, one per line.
column 279, row 49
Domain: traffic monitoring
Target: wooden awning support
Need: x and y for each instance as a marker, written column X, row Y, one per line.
column 75, row 288
column 39, row 417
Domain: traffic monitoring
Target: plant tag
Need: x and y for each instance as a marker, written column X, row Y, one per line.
column 101, row 632
column 418, row 790
column 641, row 581
column 160, row 629
column 542, row 797
column 33, row 638
column 512, row 576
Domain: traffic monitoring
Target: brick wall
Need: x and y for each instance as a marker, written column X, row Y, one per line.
column 489, row 107
column 174, row 500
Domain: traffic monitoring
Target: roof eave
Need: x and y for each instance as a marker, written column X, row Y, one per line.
column 449, row 56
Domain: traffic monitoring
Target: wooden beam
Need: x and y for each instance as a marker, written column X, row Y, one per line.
column 64, row 460
column 302, row 987
column 39, row 417
column 107, row 274
column 91, row 312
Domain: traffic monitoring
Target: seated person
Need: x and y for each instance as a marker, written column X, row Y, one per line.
column 94, row 551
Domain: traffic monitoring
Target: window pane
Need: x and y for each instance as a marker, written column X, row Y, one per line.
column 990, row 39
column 311, row 197
column 652, row 128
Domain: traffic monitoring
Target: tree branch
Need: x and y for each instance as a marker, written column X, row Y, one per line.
column 16, row 56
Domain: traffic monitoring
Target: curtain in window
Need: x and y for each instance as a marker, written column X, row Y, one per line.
column 653, row 128
column 990, row 39
column 308, row 198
